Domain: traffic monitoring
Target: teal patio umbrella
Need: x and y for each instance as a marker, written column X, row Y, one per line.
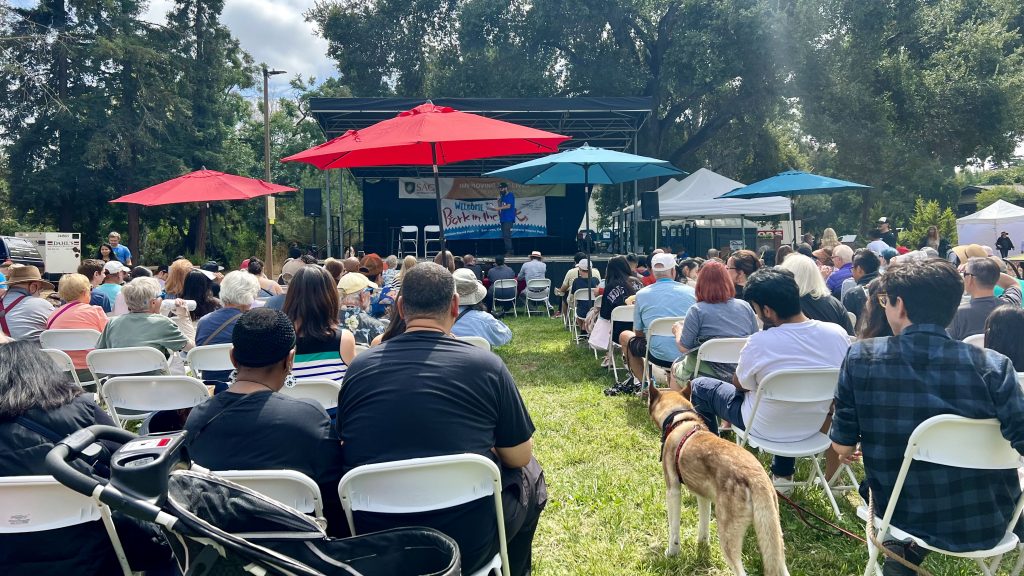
column 793, row 183
column 587, row 165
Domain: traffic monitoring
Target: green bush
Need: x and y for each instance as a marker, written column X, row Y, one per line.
column 928, row 213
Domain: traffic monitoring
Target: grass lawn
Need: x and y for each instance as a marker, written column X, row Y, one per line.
column 606, row 504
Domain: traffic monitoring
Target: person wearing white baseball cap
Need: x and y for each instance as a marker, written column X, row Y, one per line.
column 584, row 279
column 113, row 277
column 663, row 299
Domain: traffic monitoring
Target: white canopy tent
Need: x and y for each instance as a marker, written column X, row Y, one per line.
column 697, row 196
column 984, row 226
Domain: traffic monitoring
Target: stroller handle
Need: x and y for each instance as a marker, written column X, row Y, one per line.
column 71, row 448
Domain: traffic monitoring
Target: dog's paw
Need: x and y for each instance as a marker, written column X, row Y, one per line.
column 672, row 551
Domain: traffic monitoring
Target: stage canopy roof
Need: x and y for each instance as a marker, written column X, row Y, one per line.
column 610, row 123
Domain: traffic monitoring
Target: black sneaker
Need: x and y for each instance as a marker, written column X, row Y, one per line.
column 626, row 388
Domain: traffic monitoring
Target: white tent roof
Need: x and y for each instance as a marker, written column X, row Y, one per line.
column 984, row 226
column 697, row 195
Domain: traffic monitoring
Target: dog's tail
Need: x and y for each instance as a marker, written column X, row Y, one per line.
column 766, row 525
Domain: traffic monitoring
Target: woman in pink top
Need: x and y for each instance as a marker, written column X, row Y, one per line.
column 77, row 314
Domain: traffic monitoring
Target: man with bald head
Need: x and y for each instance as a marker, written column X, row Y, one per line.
column 842, row 261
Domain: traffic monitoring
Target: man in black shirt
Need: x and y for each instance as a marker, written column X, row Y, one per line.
column 425, row 393
column 1004, row 244
column 888, row 234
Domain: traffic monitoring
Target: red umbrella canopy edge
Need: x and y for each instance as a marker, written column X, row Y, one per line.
column 202, row 186
column 409, row 139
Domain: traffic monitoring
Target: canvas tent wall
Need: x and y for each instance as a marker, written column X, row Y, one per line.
column 984, row 226
column 697, row 196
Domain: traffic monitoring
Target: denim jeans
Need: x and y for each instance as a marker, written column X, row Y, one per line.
column 506, row 235
column 713, row 399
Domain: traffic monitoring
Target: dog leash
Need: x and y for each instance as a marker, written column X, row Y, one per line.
column 802, row 514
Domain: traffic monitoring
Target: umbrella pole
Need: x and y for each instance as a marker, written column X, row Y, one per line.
column 792, row 218
column 586, row 235
column 743, row 230
column 437, row 193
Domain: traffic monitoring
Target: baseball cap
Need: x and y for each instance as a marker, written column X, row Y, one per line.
column 883, row 220
column 113, row 267
column 212, row 266
column 583, row 264
column 536, row 254
column 371, row 265
column 351, row 283
column 663, row 262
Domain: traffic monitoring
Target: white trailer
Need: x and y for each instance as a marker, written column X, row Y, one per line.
column 61, row 251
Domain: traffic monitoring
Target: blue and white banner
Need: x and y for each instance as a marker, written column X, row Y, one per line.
column 468, row 219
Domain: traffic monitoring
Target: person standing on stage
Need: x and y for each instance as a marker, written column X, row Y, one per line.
column 506, row 209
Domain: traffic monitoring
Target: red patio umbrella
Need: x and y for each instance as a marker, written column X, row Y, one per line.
column 429, row 135
column 202, row 186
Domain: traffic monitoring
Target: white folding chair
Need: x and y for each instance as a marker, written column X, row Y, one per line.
column 477, row 341
column 70, row 340
column 324, row 391
column 213, row 358
column 509, row 285
column 64, row 363
column 289, row 487
column 581, row 295
column 408, row 235
column 40, row 503
column 976, row 340
column 950, row 440
column 424, row 485
column 660, row 327
column 853, row 319
column 796, row 387
column 720, row 350
column 125, row 361
column 538, row 290
column 431, row 235
column 619, row 314
column 360, row 348
column 135, row 397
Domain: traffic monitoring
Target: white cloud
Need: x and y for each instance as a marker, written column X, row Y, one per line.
column 272, row 31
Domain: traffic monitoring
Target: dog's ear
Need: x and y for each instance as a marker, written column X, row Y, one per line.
column 652, row 394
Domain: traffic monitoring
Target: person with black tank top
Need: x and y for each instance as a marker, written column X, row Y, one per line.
column 323, row 349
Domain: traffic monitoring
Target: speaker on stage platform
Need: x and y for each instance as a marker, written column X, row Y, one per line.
column 649, row 208
column 311, row 202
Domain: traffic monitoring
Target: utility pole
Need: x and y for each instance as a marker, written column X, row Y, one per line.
column 270, row 214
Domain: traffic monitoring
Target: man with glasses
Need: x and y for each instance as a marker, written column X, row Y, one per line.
column 887, row 386
column 981, row 276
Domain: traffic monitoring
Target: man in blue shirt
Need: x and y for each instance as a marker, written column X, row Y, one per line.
column 842, row 259
column 121, row 252
column 664, row 299
column 506, row 215
column 888, row 386
column 472, row 319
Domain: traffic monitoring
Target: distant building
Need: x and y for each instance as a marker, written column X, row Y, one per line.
column 968, row 203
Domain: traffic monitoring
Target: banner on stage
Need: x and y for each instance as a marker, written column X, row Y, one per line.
column 470, row 189
column 466, row 219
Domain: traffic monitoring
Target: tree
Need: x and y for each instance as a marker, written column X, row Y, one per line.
column 1012, row 194
column 928, row 213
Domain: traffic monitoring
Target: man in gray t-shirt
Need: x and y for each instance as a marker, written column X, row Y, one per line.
column 23, row 310
column 981, row 277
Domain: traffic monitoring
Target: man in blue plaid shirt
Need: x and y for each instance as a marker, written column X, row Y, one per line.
column 888, row 386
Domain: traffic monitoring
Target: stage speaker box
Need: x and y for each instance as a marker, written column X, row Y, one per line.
column 649, row 209
column 311, row 202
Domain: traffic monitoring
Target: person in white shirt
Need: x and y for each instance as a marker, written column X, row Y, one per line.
column 877, row 245
column 790, row 341
column 534, row 269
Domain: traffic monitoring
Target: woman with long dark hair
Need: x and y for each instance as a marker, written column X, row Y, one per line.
column 718, row 313
column 198, row 287
column 741, row 265
column 106, row 254
column 618, row 285
column 323, row 349
column 1004, row 333
column 268, row 287
column 872, row 322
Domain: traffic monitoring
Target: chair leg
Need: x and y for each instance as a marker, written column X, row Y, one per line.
column 615, row 367
column 872, row 568
column 817, row 473
column 1020, row 561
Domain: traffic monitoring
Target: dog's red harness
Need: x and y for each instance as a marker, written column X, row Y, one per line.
column 670, row 424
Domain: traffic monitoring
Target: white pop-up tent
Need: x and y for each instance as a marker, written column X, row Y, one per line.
column 984, row 226
column 697, row 196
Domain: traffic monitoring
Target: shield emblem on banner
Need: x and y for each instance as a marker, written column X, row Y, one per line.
column 410, row 187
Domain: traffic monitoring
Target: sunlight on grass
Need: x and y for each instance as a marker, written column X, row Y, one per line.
column 606, row 506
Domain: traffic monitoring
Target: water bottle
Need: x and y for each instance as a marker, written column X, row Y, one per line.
column 168, row 306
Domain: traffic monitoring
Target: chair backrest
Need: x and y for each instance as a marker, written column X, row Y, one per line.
column 584, row 294
column 324, row 391
column 723, row 350
column 976, row 340
column 37, row 503
column 853, row 318
column 360, row 348
column 538, row 284
column 951, row 440
column 289, row 487
column 797, row 387
column 506, row 284
column 623, row 313
column 410, row 230
column 63, row 360
column 69, row 340
column 151, row 393
column 211, row 357
column 663, row 326
column 476, row 341
column 423, row 485
column 432, row 229
column 126, row 361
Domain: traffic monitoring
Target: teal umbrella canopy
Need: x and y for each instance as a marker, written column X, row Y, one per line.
column 586, row 165
column 793, row 183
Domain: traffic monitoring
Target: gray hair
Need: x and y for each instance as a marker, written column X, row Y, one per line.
column 355, row 299
column 391, row 261
column 239, row 288
column 30, row 379
column 666, row 273
column 427, row 291
column 140, row 292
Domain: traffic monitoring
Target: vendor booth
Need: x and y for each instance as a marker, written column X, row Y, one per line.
column 984, row 226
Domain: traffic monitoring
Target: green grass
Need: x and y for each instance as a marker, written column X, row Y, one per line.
column 606, row 505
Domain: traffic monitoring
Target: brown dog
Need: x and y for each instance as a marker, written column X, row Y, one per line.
column 718, row 471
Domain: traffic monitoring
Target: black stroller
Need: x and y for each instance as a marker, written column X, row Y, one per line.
column 216, row 527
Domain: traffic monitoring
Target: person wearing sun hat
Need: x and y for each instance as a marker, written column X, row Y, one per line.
column 23, row 310
column 473, row 320
column 354, row 291
column 372, row 266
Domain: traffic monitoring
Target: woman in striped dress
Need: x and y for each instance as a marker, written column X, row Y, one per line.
column 322, row 349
